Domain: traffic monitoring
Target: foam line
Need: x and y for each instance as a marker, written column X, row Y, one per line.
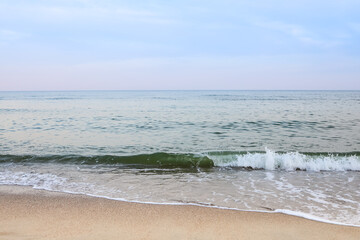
column 283, row 211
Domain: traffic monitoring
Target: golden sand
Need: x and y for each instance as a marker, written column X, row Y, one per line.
column 26, row 213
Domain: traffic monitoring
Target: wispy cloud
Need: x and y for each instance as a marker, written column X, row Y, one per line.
column 298, row 32
column 65, row 11
column 9, row 35
column 355, row 26
column 87, row 11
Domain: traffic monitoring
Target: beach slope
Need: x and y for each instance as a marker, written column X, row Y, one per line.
column 26, row 213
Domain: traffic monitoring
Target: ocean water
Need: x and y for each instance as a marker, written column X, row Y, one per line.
column 296, row 152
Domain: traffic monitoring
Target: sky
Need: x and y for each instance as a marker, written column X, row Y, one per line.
column 179, row 45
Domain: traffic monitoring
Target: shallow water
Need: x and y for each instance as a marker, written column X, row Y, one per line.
column 213, row 148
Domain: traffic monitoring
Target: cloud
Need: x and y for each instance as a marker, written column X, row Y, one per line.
column 9, row 35
column 66, row 11
column 89, row 11
column 298, row 32
column 355, row 27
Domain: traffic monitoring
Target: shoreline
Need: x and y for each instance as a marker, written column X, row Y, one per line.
column 40, row 214
column 281, row 211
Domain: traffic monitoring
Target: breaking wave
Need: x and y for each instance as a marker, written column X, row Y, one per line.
column 268, row 160
column 294, row 161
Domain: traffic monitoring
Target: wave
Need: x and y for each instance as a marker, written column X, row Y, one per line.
column 162, row 160
column 294, row 161
column 268, row 160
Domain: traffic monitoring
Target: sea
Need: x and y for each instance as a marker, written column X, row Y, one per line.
column 294, row 152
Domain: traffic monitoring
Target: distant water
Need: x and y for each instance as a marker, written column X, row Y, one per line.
column 290, row 151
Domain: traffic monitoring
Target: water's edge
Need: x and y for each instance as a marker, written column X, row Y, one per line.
column 282, row 211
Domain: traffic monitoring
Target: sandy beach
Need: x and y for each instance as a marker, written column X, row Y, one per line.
column 26, row 213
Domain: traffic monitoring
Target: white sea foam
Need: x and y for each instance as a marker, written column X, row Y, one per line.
column 311, row 217
column 294, row 161
column 45, row 181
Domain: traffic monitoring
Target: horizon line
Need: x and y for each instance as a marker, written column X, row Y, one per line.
column 158, row 90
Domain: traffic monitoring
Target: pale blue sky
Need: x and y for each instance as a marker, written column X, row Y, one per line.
column 227, row 44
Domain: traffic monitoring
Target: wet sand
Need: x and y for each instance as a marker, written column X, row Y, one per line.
column 26, row 213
